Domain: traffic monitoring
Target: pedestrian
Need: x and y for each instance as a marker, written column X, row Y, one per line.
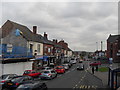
column 97, row 68
column 93, row 70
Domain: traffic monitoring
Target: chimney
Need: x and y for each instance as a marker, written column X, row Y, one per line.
column 56, row 41
column 35, row 29
column 45, row 35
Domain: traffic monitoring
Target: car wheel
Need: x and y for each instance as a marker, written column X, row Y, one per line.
column 51, row 78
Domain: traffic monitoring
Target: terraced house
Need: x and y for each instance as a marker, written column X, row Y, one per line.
column 20, row 44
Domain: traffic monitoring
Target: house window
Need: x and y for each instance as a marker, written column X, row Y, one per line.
column 38, row 47
column 31, row 47
column 9, row 47
column 49, row 50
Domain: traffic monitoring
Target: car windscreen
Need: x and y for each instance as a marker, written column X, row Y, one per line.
column 3, row 77
column 18, row 79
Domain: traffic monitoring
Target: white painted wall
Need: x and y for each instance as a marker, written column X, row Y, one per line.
column 35, row 47
column 15, row 68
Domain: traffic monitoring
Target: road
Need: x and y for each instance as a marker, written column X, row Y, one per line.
column 75, row 79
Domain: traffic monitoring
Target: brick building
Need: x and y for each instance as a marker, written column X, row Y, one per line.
column 113, row 47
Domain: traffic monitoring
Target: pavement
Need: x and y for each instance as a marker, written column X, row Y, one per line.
column 103, row 75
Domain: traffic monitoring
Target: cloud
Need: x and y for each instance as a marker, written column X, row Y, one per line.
column 81, row 24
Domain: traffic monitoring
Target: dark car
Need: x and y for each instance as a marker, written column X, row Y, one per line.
column 15, row 82
column 80, row 67
column 33, row 85
column 6, row 77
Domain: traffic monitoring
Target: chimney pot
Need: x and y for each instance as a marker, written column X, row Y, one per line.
column 35, row 29
column 45, row 35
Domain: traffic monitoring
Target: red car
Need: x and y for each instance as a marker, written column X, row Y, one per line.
column 95, row 63
column 60, row 69
column 31, row 73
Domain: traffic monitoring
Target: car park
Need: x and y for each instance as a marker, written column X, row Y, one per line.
column 15, row 82
column 48, row 74
column 95, row 63
column 32, row 73
column 80, row 67
column 6, row 77
column 60, row 69
column 33, row 85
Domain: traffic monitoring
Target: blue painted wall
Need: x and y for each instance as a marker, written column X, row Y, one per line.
column 17, row 52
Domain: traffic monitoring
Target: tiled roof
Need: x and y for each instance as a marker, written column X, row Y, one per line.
column 28, row 34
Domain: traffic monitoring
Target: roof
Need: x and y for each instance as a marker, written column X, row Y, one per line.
column 113, row 38
column 69, row 49
column 26, row 32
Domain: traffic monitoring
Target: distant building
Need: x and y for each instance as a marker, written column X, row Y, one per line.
column 113, row 47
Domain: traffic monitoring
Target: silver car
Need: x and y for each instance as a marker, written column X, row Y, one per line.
column 47, row 68
column 48, row 74
column 66, row 66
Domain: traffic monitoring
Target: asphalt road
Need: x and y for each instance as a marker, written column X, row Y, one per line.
column 75, row 79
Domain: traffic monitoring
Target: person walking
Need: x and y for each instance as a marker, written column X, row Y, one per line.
column 93, row 69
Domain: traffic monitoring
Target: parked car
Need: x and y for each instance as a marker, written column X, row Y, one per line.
column 52, row 65
column 15, row 82
column 32, row 73
column 95, row 63
column 80, row 61
column 73, row 61
column 32, row 85
column 47, row 68
column 80, row 67
column 66, row 66
column 60, row 69
column 48, row 74
column 5, row 78
column 69, row 64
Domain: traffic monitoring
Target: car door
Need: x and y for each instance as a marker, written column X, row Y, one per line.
column 53, row 73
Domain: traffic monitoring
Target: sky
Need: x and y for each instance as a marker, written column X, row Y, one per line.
column 80, row 24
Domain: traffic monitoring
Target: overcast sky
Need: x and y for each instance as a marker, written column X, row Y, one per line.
column 80, row 24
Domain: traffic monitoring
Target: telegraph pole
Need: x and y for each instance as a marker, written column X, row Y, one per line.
column 101, row 45
column 96, row 46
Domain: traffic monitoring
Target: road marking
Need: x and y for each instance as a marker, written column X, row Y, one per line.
column 85, row 87
column 67, row 72
column 82, row 86
column 88, row 87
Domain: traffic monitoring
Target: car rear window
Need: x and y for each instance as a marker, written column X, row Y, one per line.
column 46, row 72
column 59, row 67
column 27, row 72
